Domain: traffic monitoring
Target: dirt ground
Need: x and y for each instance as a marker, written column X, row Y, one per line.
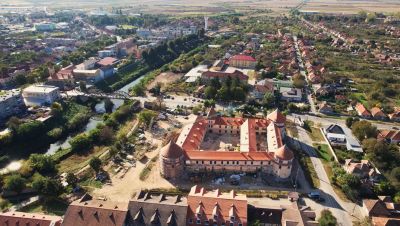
column 165, row 78
column 221, row 142
column 124, row 185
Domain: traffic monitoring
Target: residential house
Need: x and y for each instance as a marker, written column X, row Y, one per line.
column 378, row 114
column 63, row 79
column 242, row 61
column 216, row 207
column 88, row 211
column 390, row 136
column 38, row 95
column 290, row 94
column 382, row 211
column 11, row 103
column 261, row 88
column 363, row 169
column 339, row 136
column 362, row 111
column 107, row 61
column 335, row 134
column 395, row 116
column 148, row 209
column 325, row 108
column 28, row 219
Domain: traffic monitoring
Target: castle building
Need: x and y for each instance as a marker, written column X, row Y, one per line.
column 257, row 146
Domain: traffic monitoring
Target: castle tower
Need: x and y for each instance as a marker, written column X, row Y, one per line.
column 283, row 159
column 171, row 161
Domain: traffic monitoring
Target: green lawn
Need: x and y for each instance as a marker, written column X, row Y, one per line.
column 323, row 152
column 52, row 207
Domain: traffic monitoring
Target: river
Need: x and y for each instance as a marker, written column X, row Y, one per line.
column 92, row 123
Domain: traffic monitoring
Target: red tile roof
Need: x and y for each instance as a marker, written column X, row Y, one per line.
column 362, row 110
column 377, row 112
column 229, row 155
column 277, row 117
column 216, row 206
column 243, row 58
column 33, row 219
column 171, row 150
column 284, row 153
column 96, row 213
column 108, row 61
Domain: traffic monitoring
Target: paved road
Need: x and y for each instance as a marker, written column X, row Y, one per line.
column 324, row 121
column 303, row 73
column 342, row 210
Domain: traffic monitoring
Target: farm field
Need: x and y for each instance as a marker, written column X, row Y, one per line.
column 351, row 6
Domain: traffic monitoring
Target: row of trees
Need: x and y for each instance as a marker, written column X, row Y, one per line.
column 103, row 134
column 170, row 50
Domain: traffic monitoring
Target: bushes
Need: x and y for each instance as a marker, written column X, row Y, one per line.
column 81, row 143
column 44, row 164
column 14, row 182
column 76, row 122
column 55, row 133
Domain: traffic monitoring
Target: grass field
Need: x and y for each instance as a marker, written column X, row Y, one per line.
column 323, row 152
column 52, row 207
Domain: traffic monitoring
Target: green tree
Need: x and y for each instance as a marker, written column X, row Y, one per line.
column 268, row 100
column 210, row 92
column 81, row 143
column 363, row 129
column 82, row 86
column 56, row 109
column 71, row 179
column 145, row 116
column 14, row 182
column 108, row 105
column 47, row 187
column 13, row 123
column 327, row 219
column 95, row 163
column 44, row 164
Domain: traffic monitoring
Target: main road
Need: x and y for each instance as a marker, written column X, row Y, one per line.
column 345, row 212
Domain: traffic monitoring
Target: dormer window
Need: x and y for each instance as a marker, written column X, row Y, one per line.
column 232, row 218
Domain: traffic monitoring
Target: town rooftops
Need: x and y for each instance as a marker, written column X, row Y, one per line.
column 242, row 57
column 28, row 219
column 90, row 212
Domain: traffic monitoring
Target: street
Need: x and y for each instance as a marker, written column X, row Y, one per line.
column 343, row 211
